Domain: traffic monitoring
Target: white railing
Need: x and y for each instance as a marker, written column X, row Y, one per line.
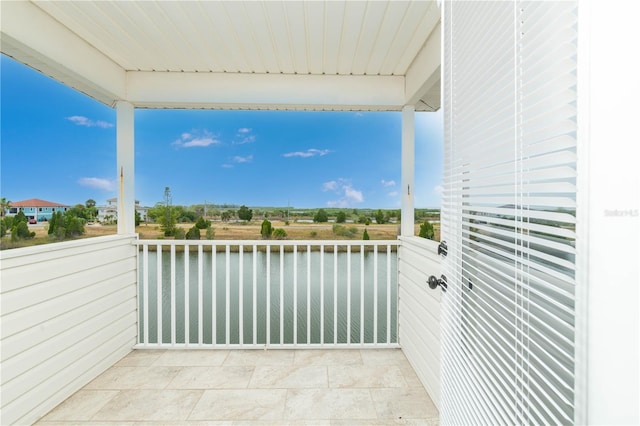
column 267, row 294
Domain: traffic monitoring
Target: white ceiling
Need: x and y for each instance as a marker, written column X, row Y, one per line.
column 121, row 50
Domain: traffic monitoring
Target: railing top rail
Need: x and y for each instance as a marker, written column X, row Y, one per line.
column 268, row 242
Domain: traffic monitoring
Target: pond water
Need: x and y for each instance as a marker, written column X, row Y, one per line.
column 333, row 292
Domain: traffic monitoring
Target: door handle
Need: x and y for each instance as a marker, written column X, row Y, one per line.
column 442, row 248
column 435, row 282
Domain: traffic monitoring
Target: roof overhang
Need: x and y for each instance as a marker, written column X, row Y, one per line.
column 374, row 55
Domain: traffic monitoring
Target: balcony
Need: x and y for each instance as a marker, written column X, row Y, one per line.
column 369, row 386
column 116, row 329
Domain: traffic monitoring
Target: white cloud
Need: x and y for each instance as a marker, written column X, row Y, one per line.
column 311, row 152
column 238, row 159
column 244, row 136
column 329, row 186
column 437, row 189
column 393, row 194
column 342, row 187
column 98, row 183
column 80, row 120
column 353, row 195
column 388, row 183
column 227, row 166
column 196, row 139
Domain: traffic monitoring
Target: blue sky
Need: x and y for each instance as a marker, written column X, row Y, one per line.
column 59, row 145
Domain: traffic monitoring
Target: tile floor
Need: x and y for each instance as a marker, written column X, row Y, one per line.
column 252, row 387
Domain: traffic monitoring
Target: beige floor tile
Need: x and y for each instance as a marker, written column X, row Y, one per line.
column 81, row 406
column 134, row 378
column 289, row 377
column 260, row 357
column 410, row 376
column 149, row 405
column 327, row 357
column 140, row 358
column 405, row 403
column 192, row 357
column 212, row 378
column 323, row 404
column 383, row 357
column 238, row 405
column 384, row 422
column 365, row 376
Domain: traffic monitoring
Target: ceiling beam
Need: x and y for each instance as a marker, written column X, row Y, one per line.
column 33, row 37
column 264, row 91
column 422, row 83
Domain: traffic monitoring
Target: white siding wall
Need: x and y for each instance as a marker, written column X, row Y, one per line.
column 419, row 311
column 68, row 312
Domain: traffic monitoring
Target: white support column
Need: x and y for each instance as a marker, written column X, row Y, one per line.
column 608, row 213
column 408, row 170
column 125, row 154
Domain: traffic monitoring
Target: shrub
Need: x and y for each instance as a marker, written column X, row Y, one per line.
column 179, row 234
column 279, row 234
column 426, row 230
column 193, row 233
column 321, row 216
column 210, row 233
column 365, row 235
column 343, row 231
column 314, row 234
column 341, row 217
column 201, row 223
column 266, row 229
column 21, row 231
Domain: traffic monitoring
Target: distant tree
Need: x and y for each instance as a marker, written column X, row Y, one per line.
column 20, row 231
column 245, row 213
column 193, row 233
column 379, row 216
column 426, row 230
column 4, row 205
column 20, row 217
column 341, row 217
column 66, row 226
column 90, row 203
column 225, row 216
column 6, row 223
column 320, row 216
column 279, row 234
column 266, row 229
column 201, row 223
column 210, row 233
column 179, row 234
column 79, row 210
column 137, row 218
column 365, row 234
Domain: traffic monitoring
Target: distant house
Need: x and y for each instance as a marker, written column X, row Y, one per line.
column 109, row 212
column 40, row 210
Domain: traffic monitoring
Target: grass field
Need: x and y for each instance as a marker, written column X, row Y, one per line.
column 232, row 231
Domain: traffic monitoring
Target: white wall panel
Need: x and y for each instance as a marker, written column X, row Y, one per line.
column 68, row 312
column 419, row 311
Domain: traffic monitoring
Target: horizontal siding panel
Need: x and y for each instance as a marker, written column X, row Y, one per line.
column 33, row 336
column 69, row 312
column 66, row 382
column 29, row 255
column 50, row 269
column 121, row 320
column 419, row 311
column 63, row 286
column 37, row 314
column 114, row 307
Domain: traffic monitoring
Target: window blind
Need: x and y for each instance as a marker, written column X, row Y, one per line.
column 509, row 209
